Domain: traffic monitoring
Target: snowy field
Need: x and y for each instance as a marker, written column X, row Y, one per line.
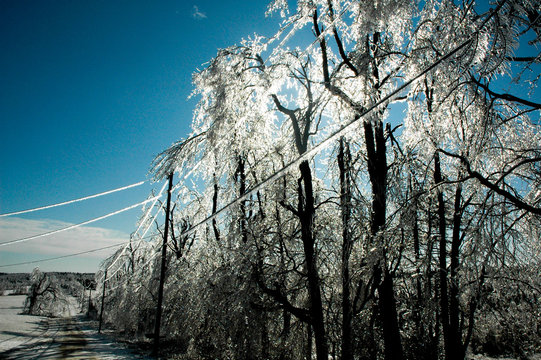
column 36, row 337
column 18, row 330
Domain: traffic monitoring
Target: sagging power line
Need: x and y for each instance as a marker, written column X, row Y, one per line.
column 10, row 242
column 74, row 200
column 77, row 253
column 63, row 256
column 145, row 217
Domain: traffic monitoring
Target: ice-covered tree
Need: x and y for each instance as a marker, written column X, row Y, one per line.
column 45, row 296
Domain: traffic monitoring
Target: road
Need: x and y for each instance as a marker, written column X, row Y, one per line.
column 34, row 337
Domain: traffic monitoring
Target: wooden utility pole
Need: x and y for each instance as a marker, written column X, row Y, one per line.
column 102, row 301
column 89, row 301
column 162, row 272
column 82, row 302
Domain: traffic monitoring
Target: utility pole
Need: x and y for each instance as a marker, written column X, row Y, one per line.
column 102, row 301
column 89, row 301
column 162, row 272
column 82, row 302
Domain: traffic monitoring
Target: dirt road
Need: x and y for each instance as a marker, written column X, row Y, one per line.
column 34, row 337
column 55, row 338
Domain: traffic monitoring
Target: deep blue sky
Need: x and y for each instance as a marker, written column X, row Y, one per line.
column 91, row 91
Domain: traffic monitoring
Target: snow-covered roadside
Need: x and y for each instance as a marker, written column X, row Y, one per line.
column 484, row 357
column 15, row 329
column 30, row 337
column 104, row 345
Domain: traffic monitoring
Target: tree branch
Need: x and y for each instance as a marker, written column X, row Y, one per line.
column 339, row 43
column 294, row 122
column 535, row 59
column 278, row 296
column 507, row 97
column 289, row 207
column 484, row 181
column 326, row 77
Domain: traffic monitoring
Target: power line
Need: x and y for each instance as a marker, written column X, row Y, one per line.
column 150, row 209
column 74, row 201
column 63, row 256
column 119, row 256
column 125, row 280
column 140, row 225
column 76, row 225
column 136, row 242
column 75, row 254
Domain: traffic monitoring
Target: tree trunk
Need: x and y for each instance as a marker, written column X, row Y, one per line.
column 449, row 341
column 419, row 292
column 377, row 169
column 32, row 302
column 214, row 208
column 454, row 310
column 387, row 307
column 344, row 163
column 286, row 315
column 265, row 341
column 306, row 212
column 284, row 352
column 242, row 190
column 308, row 341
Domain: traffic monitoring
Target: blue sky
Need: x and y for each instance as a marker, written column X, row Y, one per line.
column 91, row 91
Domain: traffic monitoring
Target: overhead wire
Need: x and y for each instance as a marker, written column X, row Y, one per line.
column 130, row 243
column 142, row 237
column 63, row 256
column 183, row 178
column 179, row 184
column 74, row 200
column 145, row 217
column 125, row 280
column 5, row 243
column 150, row 208
column 70, row 255
column 119, row 256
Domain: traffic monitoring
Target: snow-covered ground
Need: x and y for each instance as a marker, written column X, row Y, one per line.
column 484, row 357
column 36, row 337
column 18, row 330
